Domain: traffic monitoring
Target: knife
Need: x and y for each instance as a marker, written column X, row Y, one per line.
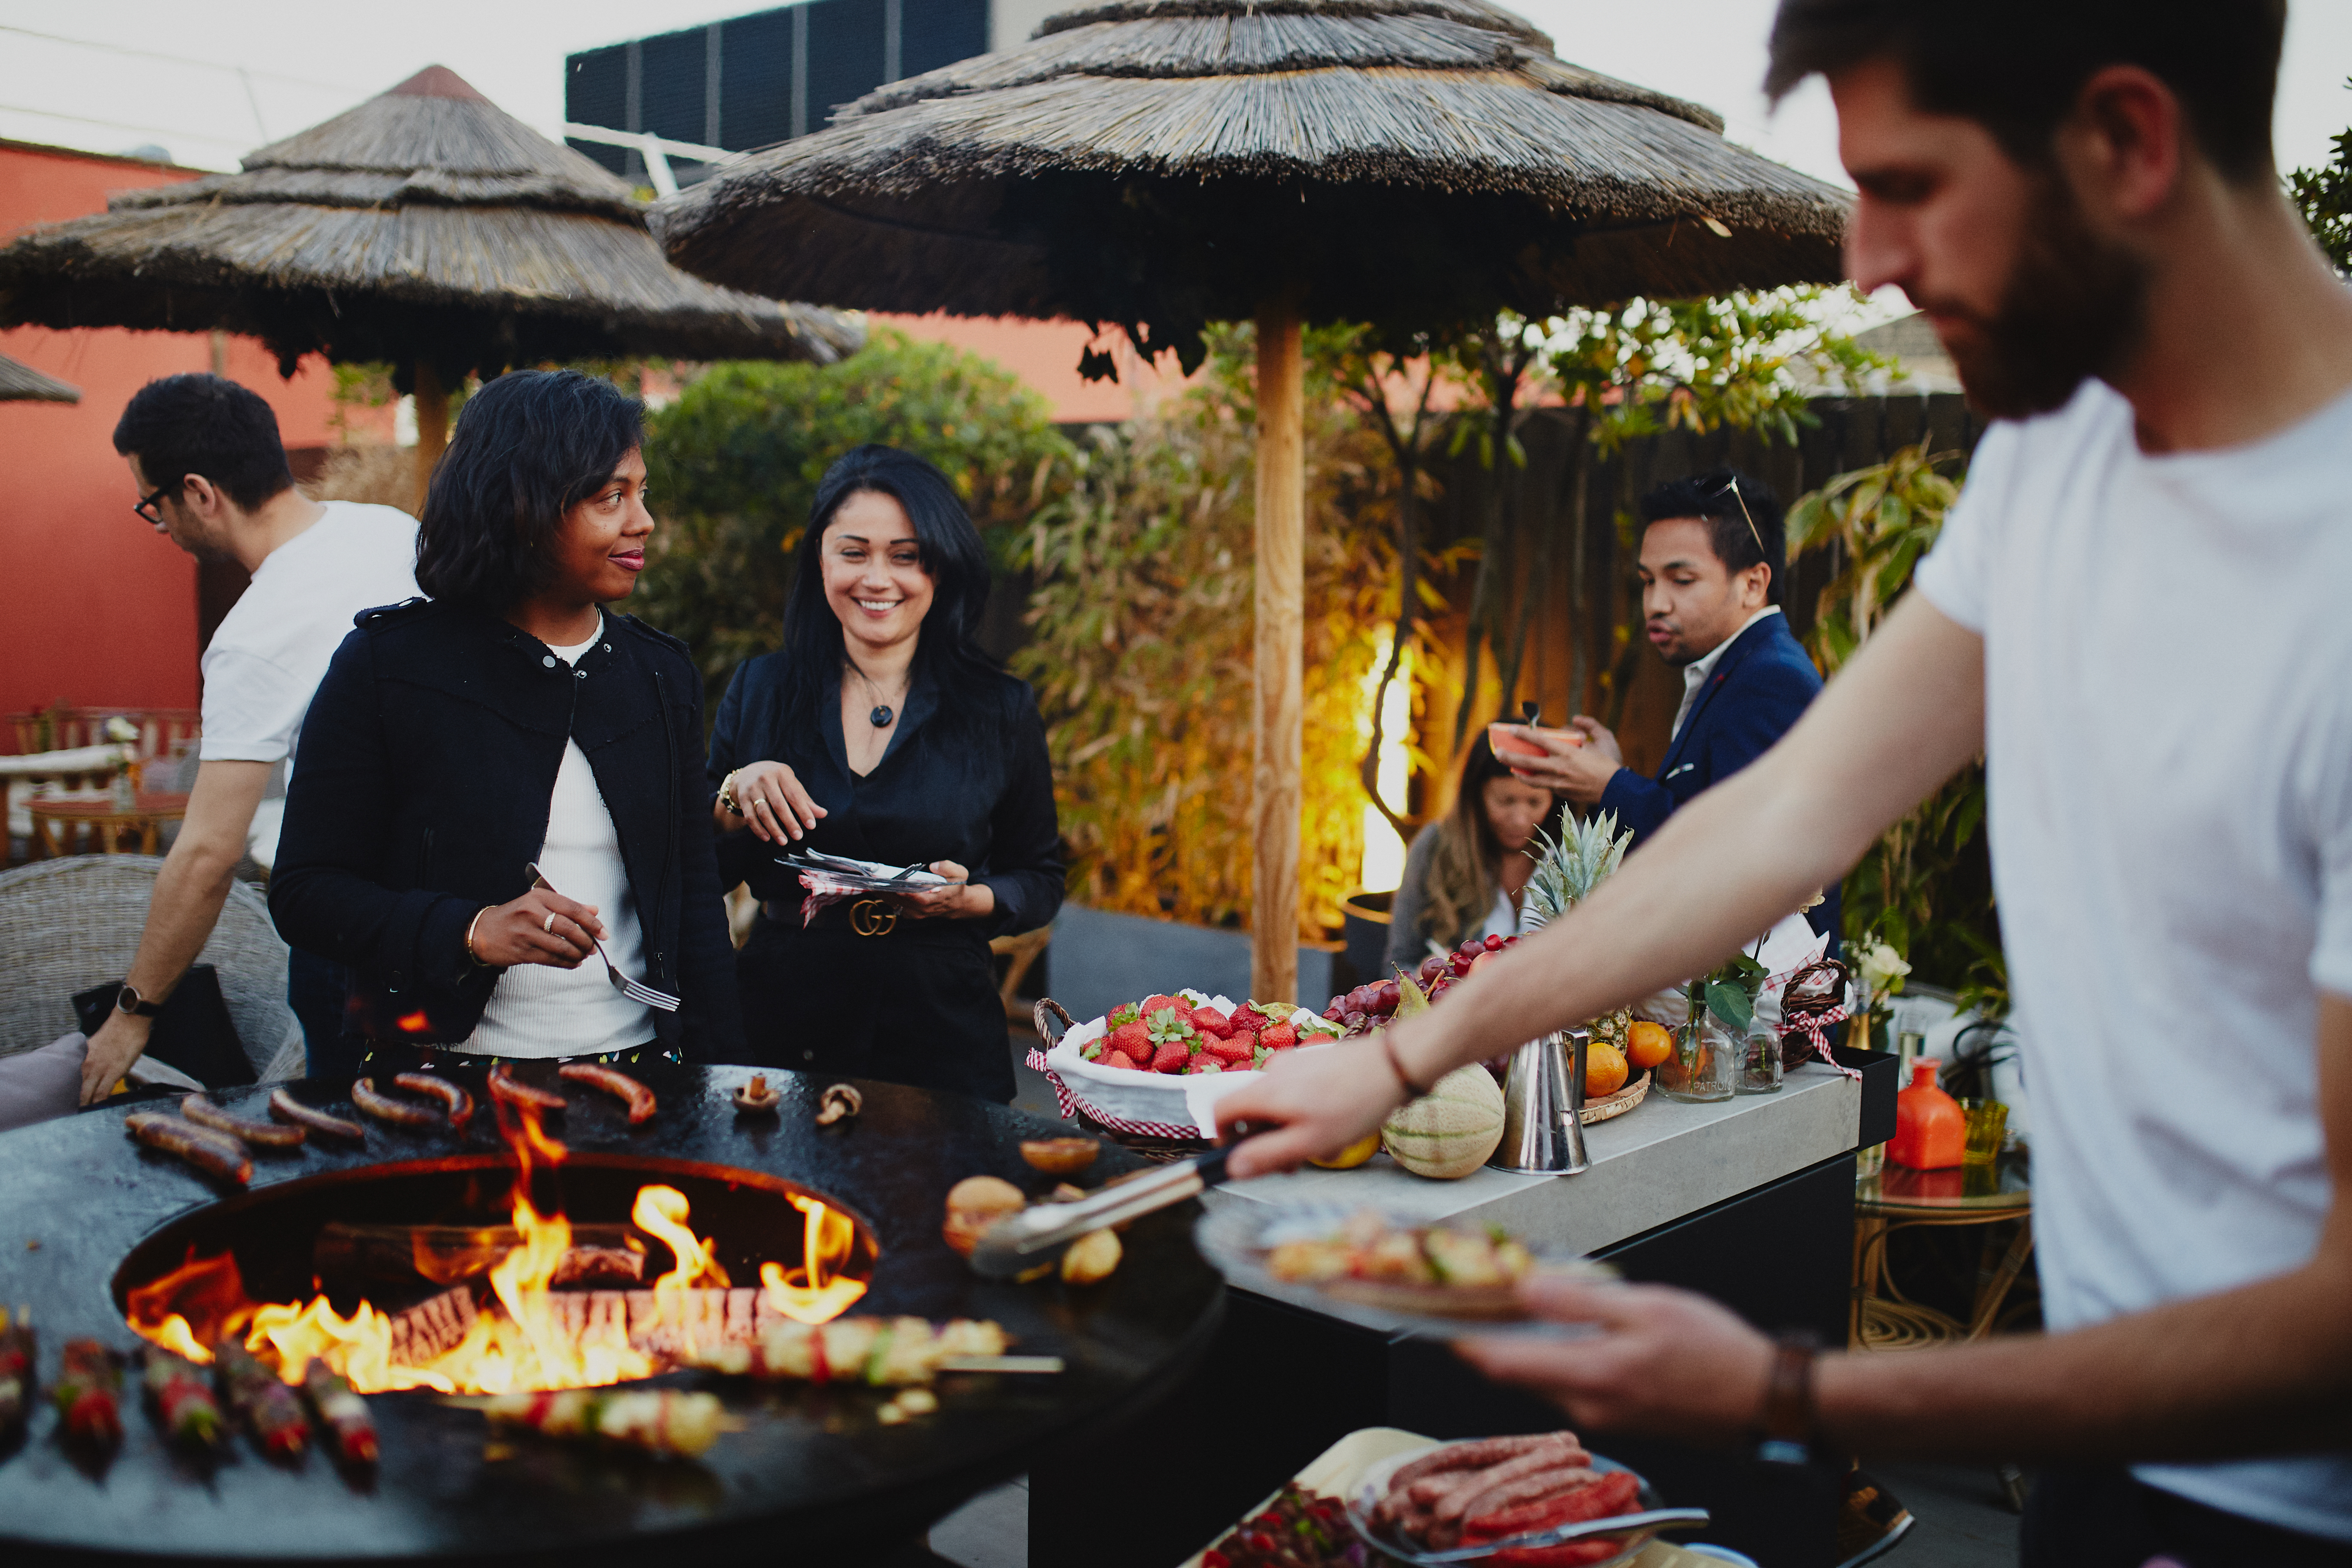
column 1040, row 1233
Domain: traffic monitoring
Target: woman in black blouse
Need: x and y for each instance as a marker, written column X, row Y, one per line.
column 880, row 732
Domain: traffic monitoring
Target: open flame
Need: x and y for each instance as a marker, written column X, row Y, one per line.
column 529, row 1336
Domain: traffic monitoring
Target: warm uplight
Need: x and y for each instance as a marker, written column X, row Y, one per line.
column 1384, row 866
column 815, row 1292
column 528, row 1336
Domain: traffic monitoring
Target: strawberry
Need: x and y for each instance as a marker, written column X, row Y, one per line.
column 1155, row 1004
column 1202, row 1063
column 1229, row 1050
column 1280, row 1038
column 1127, row 1014
column 1170, row 1057
column 1117, row 1059
column 1133, row 1038
column 1209, row 1021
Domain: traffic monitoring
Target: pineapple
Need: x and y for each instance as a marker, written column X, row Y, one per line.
column 1566, row 873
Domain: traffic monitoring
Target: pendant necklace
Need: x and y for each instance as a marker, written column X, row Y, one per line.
column 882, row 713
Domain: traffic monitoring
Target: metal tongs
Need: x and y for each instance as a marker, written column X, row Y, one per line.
column 1558, row 1535
column 1038, row 1234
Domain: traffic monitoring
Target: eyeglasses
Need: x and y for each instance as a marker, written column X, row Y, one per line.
column 150, row 507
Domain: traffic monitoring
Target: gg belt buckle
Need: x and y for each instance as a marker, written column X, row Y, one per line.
column 872, row 917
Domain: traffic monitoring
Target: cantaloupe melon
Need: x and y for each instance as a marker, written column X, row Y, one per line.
column 1450, row 1131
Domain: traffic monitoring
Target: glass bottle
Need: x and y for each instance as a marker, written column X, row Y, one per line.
column 1704, row 1062
column 1760, row 1066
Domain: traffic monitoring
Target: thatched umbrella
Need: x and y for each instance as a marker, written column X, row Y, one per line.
column 20, row 382
column 1162, row 164
column 427, row 227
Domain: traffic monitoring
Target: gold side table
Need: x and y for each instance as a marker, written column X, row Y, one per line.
column 1896, row 1199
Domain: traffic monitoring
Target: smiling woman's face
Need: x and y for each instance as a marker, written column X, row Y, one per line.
column 602, row 546
column 874, row 578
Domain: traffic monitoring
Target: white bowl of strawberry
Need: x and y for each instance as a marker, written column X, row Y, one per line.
column 1134, row 1061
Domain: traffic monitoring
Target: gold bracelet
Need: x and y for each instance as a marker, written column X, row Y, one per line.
column 471, row 956
column 727, row 792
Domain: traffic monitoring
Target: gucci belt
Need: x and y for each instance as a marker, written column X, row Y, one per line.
column 874, row 917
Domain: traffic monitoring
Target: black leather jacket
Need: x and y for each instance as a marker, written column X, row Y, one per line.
column 421, row 788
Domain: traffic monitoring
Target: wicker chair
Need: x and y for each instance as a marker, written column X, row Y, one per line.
column 66, row 925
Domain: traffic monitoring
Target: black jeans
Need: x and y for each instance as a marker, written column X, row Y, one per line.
column 2101, row 1517
column 317, row 989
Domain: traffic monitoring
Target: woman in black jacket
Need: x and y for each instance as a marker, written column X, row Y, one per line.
column 509, row 722
column 881, row 732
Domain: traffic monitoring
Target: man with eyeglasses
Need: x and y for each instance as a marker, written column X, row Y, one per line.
column 211, row 476
column 1711, row 585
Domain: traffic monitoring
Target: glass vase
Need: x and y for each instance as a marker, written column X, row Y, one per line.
column 1704, row 1062
column 1760, row 1064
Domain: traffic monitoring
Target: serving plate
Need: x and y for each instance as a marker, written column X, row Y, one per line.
column 1634, row 1530
column 1236, row 1233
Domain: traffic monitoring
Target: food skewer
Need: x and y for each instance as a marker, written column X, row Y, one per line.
column 271, row 1409
column 19, row 1355
column 184, row 1406
column 214, row 1153
column 636, row 1096
column 87, row 1394
column 454, row 1099
column 262, row 1134
column 345, row 1425
column 881, row 1352
column 373, row 1101
column 664, row 1421
column 284, row 1107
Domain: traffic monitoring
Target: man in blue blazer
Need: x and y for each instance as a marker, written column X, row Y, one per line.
column 1711, row 582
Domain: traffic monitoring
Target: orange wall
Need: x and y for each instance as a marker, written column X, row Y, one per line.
column 1046, row 355
column 94, row 606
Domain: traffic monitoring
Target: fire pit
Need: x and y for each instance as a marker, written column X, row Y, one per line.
column 808, row 1473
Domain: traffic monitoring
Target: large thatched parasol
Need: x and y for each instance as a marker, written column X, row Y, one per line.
column 427, row 227
column 1162, row 164
column 20, row 382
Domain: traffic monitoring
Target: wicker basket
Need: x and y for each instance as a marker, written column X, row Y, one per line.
column 1616, row 1104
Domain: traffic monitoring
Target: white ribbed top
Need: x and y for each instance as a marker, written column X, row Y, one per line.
column 537, row 1010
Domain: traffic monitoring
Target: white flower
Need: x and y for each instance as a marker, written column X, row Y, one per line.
column 121, row 729
column 1882, row 969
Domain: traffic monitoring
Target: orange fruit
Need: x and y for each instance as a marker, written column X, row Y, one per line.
column 1648, row 1044
column 1604, row 1071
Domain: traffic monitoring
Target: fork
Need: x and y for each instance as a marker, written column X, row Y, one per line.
column 621, row 983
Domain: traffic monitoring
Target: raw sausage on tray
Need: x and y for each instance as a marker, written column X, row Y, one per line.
column 214, row 1153
column 285, row 1107
column 266, row 1134
column 639, row 1098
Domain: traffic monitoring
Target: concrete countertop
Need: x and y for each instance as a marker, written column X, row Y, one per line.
column 1657, row 1163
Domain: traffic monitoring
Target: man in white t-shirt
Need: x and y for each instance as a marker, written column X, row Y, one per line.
column 2138, row 611
column 212, row 475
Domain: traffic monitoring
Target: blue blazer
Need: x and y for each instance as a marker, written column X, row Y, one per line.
column 1762, row 683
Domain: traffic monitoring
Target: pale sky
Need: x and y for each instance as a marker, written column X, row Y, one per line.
column 302, row 62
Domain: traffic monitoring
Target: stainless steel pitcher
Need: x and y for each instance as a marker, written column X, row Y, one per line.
column 1542, row 1134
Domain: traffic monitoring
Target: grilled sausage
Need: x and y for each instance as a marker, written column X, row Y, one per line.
column 459, row 1103
column 1461, row 1456
column 639, row 1098
column 384, row 1107
column 285, row 1107
column 505, row 1086
column 263, row 1134
column 211, row 1153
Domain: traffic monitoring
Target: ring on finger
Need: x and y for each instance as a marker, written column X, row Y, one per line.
column 548, row 925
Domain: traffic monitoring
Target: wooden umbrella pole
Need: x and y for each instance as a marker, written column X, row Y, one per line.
column 432, row 425
column 1274, row 804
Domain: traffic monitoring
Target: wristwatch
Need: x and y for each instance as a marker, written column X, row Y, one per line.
column 128, row 1000
column 1787, row 1438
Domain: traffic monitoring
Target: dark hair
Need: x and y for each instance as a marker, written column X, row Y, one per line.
column 2016, row 66
column 1743, row 536
column 949, row 547
column 1458, row 889
column 529, row 447
column 205, row 425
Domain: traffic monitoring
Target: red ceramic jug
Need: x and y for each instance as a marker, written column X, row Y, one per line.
column 1931, row 1131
